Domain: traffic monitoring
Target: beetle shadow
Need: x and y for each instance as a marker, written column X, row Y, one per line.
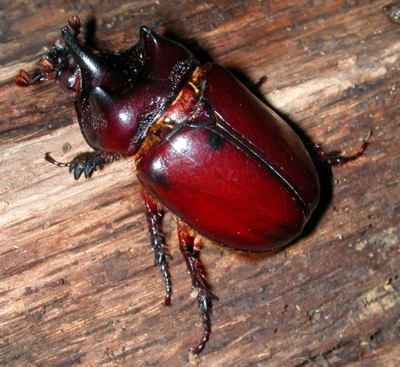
column 89, row 28
column 325, row 176
column 192, row 44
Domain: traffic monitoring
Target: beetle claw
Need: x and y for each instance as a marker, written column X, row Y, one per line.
column 204, row 298
column 85, row 163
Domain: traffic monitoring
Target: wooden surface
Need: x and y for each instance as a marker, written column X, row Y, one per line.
column 77, row 282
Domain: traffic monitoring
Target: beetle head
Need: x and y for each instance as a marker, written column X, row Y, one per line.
column 118, row 96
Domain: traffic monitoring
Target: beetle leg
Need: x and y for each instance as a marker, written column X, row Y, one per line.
column 337, row 158
column 85, row 163
column 204, row 296
column 154, row 214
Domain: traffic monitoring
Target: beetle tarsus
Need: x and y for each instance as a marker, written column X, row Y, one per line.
column 204, row 295
column 205, row 303
column 85, row 163
column 337, row 158
column 154, row 214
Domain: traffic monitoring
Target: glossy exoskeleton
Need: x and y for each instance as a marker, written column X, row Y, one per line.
column 392, row 11
column 226, row 166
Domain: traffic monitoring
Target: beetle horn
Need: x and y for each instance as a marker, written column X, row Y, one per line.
column 87, row 61
column 98, row 70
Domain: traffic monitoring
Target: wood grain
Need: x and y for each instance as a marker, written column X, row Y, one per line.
column 77, row 282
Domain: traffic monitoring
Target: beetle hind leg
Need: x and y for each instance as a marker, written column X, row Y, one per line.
column 154, row 214
column 189, row 251
column 337, row 158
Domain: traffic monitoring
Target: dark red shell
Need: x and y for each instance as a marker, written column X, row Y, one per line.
column 246, row 182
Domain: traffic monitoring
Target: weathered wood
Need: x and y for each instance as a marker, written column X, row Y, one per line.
column 77, row 285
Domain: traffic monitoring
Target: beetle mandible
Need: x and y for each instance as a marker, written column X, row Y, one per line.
column 227, row 167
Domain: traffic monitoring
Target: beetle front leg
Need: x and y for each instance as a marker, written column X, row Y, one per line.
column 154, row 214
column 85, row 163
column 195, row 268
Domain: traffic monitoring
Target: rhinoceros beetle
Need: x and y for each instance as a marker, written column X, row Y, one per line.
column 227, row 167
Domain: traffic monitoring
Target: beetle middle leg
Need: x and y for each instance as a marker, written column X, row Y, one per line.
column 187, row 244
column 154, row 214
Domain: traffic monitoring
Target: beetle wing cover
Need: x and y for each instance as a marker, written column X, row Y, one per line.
column 246, row 181
column 262, row 131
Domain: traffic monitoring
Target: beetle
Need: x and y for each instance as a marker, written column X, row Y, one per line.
column 392, row 11
column 224, row 164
